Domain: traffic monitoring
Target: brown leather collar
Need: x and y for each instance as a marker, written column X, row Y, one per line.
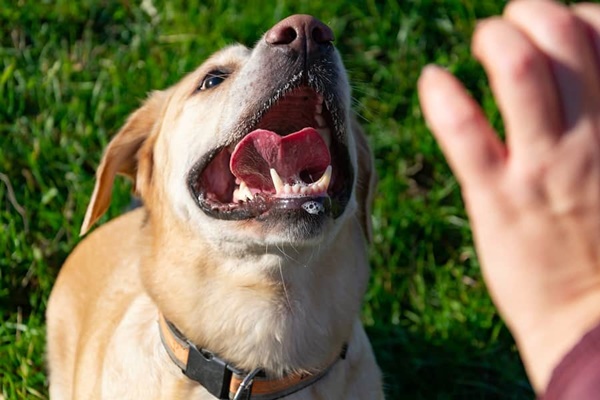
column 225, row 381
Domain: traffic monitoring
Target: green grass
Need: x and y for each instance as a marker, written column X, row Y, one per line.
column 70, row 72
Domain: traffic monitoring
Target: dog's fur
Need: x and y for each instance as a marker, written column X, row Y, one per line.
column 259, row 293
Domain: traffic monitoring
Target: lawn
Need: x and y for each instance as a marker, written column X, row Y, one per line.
column 71, row 71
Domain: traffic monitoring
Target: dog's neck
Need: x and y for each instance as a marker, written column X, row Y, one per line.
column 280, row 312
column 222, row 379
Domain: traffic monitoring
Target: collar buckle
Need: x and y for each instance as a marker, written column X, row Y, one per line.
column 211, row 371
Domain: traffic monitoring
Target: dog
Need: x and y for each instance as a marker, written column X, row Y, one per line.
column 242, row 275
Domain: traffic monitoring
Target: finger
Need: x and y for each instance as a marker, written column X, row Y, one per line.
column 524, row 87
column 562, row 37
column 589, row 14
column 469, row 143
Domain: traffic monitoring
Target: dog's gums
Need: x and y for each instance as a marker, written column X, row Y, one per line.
column 293, row 156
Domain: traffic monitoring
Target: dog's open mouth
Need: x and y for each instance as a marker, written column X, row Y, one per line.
column 293, row 159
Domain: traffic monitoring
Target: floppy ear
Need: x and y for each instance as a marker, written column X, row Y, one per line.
column 122, row 156
column 366, row 181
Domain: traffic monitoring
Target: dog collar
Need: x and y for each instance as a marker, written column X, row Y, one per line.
column 223, row 380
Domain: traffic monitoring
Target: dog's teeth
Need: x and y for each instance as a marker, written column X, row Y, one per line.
column 320, row 120
column 244, row 192
column 277, row 182
column 323, row 183
column 299, row 188
column 326, row 135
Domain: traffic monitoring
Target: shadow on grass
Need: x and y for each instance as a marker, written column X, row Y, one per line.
column 417, row 368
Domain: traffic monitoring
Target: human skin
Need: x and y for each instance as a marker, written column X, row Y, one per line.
column 533, row 200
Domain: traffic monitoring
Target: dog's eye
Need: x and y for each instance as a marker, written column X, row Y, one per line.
column 212, row 79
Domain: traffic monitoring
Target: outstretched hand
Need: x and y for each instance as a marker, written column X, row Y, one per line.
column 534, row 201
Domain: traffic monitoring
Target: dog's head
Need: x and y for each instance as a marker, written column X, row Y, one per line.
column 255, row 143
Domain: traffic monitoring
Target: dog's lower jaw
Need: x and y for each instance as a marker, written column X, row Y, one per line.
column 257, row 236
column 297, row 230
column 294, row 230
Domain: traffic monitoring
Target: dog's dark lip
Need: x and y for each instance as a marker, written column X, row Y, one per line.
column 262, row 206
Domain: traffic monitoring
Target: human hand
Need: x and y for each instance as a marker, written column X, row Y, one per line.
column 534, row 201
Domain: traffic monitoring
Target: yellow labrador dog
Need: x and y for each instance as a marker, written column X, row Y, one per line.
column 242, row 275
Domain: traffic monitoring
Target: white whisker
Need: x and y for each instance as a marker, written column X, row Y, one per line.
column 287, row 298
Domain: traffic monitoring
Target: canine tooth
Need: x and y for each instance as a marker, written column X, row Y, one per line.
column 244, row 192
column 277, row 182
column 326, row 135
column 238, row 196
column 320, row 120
column 323, row 182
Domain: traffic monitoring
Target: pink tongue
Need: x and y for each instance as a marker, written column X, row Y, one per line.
column 303, row 151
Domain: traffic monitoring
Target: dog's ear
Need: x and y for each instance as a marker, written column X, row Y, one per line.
column 366, row 180
column 126, row 154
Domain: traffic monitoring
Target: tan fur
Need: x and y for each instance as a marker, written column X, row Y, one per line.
column 251, row 295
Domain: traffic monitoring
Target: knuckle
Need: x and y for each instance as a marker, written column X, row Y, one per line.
column 527, row 184
column 521, row 63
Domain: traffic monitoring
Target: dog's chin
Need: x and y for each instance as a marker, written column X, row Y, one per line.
column 294, row 225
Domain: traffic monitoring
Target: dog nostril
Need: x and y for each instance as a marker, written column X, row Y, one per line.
column 286, row 36
column 300, row 32
column 322, row 34
column 281, row 34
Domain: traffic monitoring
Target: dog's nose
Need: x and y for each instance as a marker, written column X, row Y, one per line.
column 301, row 33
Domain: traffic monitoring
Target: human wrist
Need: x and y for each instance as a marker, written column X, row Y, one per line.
column 544, row 345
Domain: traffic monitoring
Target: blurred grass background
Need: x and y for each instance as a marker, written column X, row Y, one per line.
column 72, row 71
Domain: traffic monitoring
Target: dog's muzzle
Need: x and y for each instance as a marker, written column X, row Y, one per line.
column 291, row 154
